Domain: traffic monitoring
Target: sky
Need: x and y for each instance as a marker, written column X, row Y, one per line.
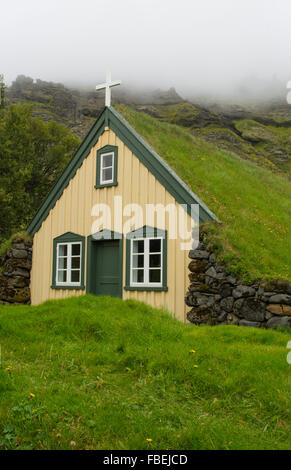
column 210, row 46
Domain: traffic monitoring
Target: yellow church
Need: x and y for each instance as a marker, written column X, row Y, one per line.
column 114, row 169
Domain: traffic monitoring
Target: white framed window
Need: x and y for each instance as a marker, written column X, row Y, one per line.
column 106, row 168
column 68, row 264
column 146, row 263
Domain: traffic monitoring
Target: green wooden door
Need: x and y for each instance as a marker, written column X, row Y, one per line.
column 106, row 268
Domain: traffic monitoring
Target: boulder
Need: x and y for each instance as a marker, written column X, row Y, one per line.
column 222, row 317
column 227, row 304
column 237, row 306
column 204, row 299
column 19, row 254
column 220, row 276
column 225, row 290
column 279, row 309
column 277, row 286
column 197, row 278
column 260, row 291
column 276, row 309
column 280, row 299
column 189, row 299
column 211, row 272
column 197, row 318
column 276, row 322
column 254, row 324
column 200, row 287
column 201, row 245
column 198, row 254
column 197, row 266
column 250, row 309
column 13, row 263
column 231, row 280
column 287, row 310
column 268, row 315
column 21, row 272
column 243, row 291
column 17, row 281
column 212, row 258
column 18, row 246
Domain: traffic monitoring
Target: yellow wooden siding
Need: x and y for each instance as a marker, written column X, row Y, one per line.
column 72, row 213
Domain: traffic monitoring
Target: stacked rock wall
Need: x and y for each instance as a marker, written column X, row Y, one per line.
column 215, row 297
column 15, row 266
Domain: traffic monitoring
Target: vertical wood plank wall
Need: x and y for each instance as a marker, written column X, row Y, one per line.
column 72, row 213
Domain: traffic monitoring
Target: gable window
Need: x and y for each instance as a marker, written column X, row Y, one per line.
column 68, row 261
column 146, row 260
column 106, row 166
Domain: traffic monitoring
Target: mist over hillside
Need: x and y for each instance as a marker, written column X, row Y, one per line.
column 257, row 129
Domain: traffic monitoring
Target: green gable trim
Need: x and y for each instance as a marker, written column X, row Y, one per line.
column 146, row 232
column 67, row 238
column 157, row 166
column 153, row 162
column 106, row 149
column 68, row 173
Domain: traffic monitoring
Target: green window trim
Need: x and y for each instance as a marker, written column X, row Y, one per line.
column 68, row 237
column 146, row 232
column 106, row 149
column 157, row 289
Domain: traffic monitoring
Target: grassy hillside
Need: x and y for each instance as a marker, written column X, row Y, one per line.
column 259, row 135
column 252, row 202
column 97, row 372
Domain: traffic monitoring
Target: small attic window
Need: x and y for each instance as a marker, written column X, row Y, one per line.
column 106, row 166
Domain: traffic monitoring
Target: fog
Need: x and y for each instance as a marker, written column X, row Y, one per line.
column 206, row 47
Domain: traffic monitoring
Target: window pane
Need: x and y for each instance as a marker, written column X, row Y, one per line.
column 138, row 261
column 155, row 261
column 76, row 262
column 63, row 249
column 62, row 276
column 62, row 263
column 107, row 174
column 138, row 246
column 137, row 275
column 107, row 160
column 75, row 276
column 155, row 275
column 76, row 249
column 155, row 246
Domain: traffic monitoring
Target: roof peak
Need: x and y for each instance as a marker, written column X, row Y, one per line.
column 109, row 117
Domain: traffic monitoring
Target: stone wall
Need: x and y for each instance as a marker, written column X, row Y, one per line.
column 15, row 266
column 216, row 297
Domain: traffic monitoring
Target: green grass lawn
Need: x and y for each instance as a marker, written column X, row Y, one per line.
column 101, row 373
column 252, row 202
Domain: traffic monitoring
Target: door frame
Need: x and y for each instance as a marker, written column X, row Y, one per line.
column 103, row 235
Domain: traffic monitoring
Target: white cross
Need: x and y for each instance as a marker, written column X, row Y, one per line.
column 109, row 84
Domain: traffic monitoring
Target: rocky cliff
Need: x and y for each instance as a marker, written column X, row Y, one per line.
column 261, row 133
